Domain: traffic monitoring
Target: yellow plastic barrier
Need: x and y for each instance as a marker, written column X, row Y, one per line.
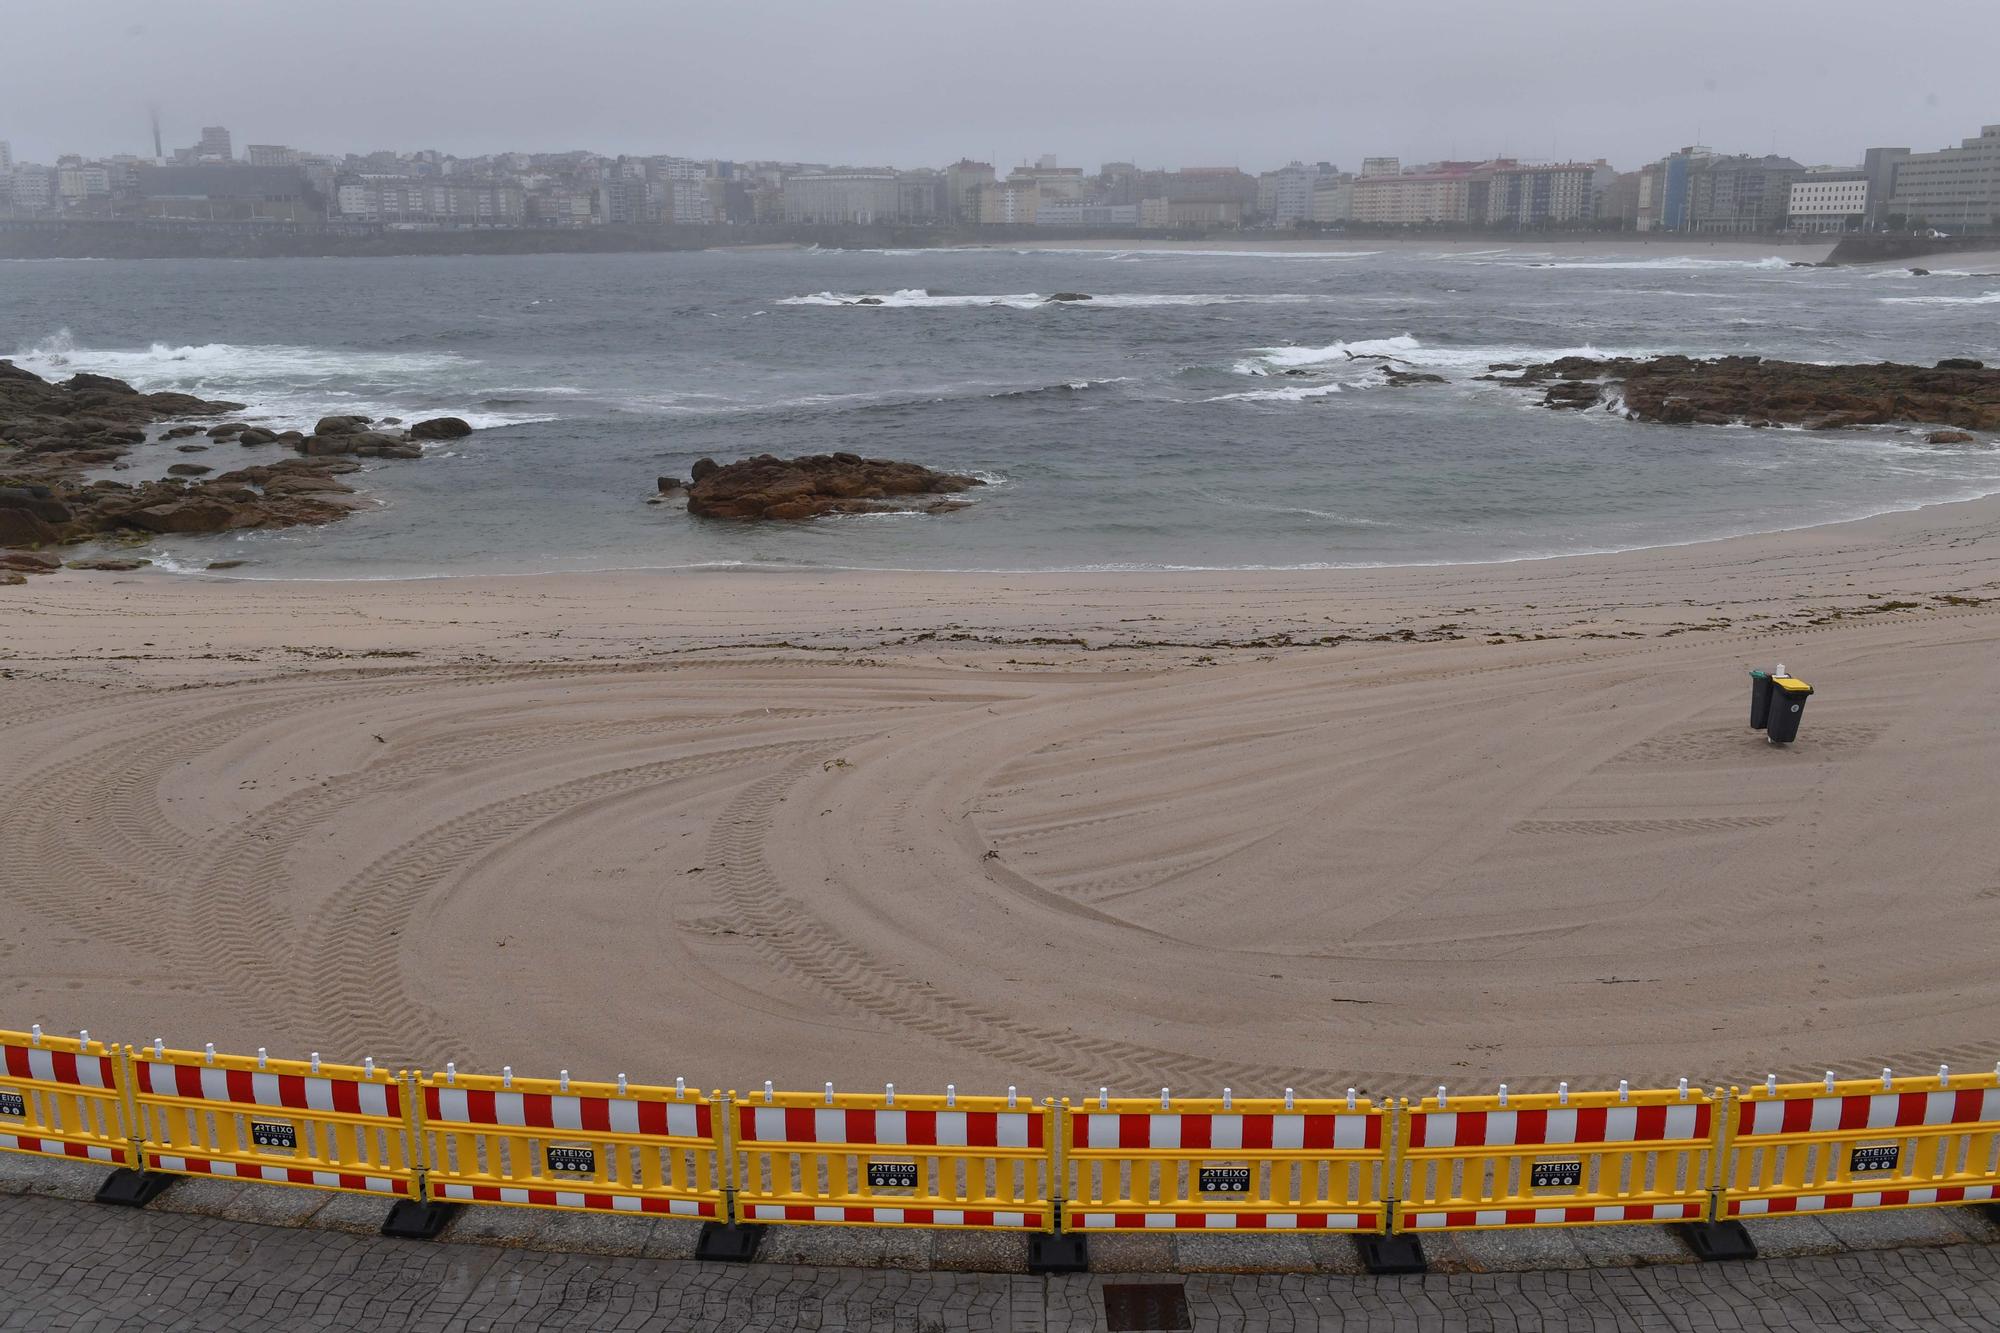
column 1555, row 1159
column 289, row 1122
column 893, row 1160
column 1235, row 1163
column 63, row 1097
column 1863, row 1143
column 548, row 1143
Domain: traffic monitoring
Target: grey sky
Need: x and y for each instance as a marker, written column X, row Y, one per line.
column 922, row 82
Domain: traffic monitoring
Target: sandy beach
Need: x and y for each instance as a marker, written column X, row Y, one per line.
column 1386, row 828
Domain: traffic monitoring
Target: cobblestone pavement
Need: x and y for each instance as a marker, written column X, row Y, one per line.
column 70, row 1265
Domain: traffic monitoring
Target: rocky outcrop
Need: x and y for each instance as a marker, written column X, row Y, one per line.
column 441, row 428
column 1070, row 296
column 51, row 435
column 798, row 488
column 1681, row 390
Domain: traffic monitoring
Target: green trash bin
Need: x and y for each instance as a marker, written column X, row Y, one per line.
column 1760, row 699
column 1788, row 704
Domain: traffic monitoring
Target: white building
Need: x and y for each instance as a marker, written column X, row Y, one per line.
column 842, row 196
column 1381, row 166
column 1285, row 196
column 32, row 188
column 6, row 156
column 1076, row 213
column 1333, row 198
column 1828, row 201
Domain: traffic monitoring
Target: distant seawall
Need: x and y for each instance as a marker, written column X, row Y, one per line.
column 1876, row 249
column 223, row 240
column 69, row 239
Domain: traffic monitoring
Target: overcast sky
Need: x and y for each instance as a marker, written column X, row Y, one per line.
column 922, row 82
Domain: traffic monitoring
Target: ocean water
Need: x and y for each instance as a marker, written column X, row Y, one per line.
column 1152, row 427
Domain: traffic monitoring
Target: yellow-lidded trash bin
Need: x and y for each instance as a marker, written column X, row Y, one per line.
column 1788, row 704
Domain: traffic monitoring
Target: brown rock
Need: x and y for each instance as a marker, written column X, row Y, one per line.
column 189, row 470
column 180, row 432
column 190, row 448
column 256, row 435
column 340, row 425
column 227, row 430
column 18, row 527
column 1949, row 437
column 799, row 488
column 110, row 564
column 194, row 515
column 30, row 562
column 440, row 428
column 319, row 446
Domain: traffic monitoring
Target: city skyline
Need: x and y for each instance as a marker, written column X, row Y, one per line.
column 895, row 83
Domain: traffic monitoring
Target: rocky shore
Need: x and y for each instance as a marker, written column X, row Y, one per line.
column 52, row 435
column 1956, row 396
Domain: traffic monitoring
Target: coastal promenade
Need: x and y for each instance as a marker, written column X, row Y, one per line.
column 72, row 1265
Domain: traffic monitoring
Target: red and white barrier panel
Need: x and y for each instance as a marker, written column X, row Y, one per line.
column 25, row 1062
column 1526, row 1217
column 1885, row 1110
column 912, row 1217
column 561, row 1111
column 833, row 1127
column 245, row 1087
column 1198, row 1132
column 1085, row 1220
column 1675, row 1123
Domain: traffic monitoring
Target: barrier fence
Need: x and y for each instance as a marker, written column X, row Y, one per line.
column 61, row 1097
column 1201, row 1165
column 1555, row 1159
column 894, row 1160
column 1861, row 1144
column 598, row 1147
column 1384, row 1172
column 286, row 1122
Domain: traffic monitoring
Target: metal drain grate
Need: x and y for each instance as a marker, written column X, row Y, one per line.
column 1146, row 1307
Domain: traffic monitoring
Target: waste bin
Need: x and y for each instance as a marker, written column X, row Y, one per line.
column 1760, row 699
column 1788, row 702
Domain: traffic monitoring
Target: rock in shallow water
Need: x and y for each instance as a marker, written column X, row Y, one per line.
column 806, row 487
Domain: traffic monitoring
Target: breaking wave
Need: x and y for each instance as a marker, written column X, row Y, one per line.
column 917, row 298
column 1683, row 263
column 1405, row 350
column 1985, row 298
column 291, row 383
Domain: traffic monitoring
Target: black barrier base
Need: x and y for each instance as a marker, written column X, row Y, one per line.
column 1713, row 1242
column 728, row 1242
column 410, row 1220
column 1061, row 1253
column 1392, row 1254
column 133, row 1189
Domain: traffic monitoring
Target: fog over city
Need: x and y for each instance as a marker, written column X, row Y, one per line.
column 926, row 81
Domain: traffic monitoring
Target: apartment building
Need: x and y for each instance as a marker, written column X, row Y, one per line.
column 1952, row 188
column 842, row 196
column 1558, row 194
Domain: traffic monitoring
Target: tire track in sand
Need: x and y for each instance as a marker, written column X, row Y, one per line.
column 782, row 926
